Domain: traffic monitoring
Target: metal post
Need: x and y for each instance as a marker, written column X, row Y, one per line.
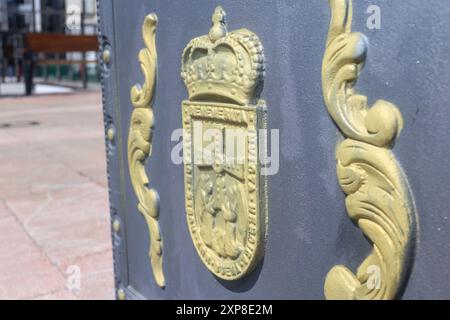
column 28, row 68
column 58, row 66
column 16, row 57
column 84, row 65
column 33, row 9
column 2, row 58
column 45, row 73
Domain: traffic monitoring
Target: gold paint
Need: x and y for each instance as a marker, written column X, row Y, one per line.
column 225, row 200
column 378, row 195
column 111, row 134
column 116, row 226
column 140, row 145
column 121, row 295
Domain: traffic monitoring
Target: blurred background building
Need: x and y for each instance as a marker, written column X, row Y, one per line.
column 26, row 19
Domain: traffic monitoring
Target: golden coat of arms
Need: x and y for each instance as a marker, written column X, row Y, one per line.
column 223, row 121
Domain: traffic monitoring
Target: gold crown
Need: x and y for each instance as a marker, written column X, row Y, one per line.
column 224, row 66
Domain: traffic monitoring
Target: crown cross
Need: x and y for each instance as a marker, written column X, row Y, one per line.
column 219, row 28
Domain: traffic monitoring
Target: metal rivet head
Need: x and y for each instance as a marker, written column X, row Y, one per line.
column 106, row 56
column 116, row 226
column 121, row 294
column 111, row 134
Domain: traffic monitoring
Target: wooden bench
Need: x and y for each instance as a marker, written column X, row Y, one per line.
column 56, row 43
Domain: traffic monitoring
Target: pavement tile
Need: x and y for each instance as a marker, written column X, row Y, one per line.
column 91, row 162
column 22, row 176
column 64, row 294
column 97, row 286
column 97, row 276
column 24, row 270
column 6, row 138
column 4, row 210
column 78, row 99
column 26, row 169
column 69, row 222
column 97, row 175
column 54, row 209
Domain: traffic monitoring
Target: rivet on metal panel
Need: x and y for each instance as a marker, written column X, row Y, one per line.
column 121, row 294
column 116, row 226
column 111, row 133
column 106, row 56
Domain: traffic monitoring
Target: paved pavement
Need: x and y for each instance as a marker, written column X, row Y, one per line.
column 54, row 218
column 18, row 89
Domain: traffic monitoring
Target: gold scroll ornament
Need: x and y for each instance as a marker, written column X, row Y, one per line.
column 378, row 195
column 225, row 196
column 140, row 145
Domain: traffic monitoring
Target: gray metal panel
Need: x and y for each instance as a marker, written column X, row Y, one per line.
column 309, row 231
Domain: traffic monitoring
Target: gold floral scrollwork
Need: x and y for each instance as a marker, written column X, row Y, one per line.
column 140, row 145
column 378, row 195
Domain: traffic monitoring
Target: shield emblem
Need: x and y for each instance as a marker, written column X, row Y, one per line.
column 224, row 123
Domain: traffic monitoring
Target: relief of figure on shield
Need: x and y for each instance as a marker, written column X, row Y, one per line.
column 220, row 205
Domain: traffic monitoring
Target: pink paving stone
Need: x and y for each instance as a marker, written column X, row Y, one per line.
column 97, row 175
column 20, row 177
column 53, row 134
column 57, row 122
column 4, row 211
column 69, row 150
column 24, row 270
column 79, row 99
column 97, row 286
column 90, row 162
column 65, row 294
column 69, row 222
column 53, row 178
column 25, row 170
column 5, row 138
column 97, row 276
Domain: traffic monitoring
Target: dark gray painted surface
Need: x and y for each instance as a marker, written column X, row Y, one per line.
column 309, row 231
